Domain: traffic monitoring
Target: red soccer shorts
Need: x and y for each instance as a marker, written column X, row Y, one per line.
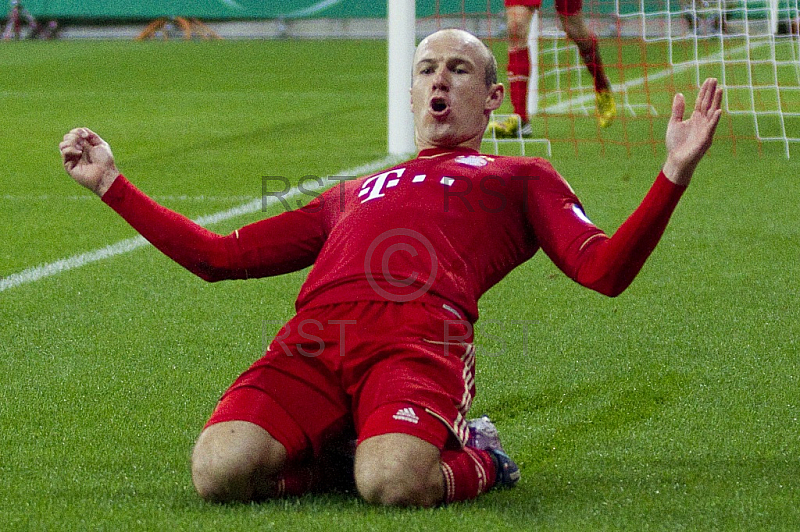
column 563, row 7
column 373, row 366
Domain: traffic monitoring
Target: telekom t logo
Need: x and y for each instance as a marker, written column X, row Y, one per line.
column 374, row 186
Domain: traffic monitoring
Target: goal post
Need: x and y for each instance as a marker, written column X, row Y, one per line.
column 401, row 41
column 533, row 52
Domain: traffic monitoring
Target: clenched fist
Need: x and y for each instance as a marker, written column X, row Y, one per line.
column 88, row 160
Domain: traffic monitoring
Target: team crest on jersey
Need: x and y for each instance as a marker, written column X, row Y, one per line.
column 472, row 160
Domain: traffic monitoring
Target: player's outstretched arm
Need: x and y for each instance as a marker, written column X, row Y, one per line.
column 688, row 140
column 609, row 265
column 284, row 243
column 88, row 160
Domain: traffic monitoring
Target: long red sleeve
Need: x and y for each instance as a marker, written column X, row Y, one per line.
column 609, row 265
column 583, row 251
column 281, row 244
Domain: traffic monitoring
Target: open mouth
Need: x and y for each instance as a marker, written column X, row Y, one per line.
column 439, row 106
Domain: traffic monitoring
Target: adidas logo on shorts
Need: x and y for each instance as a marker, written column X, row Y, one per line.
column 406, row 414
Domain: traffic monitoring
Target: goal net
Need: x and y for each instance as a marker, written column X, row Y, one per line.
column 650, row 49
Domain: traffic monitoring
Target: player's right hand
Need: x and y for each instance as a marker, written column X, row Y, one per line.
column 88, row 160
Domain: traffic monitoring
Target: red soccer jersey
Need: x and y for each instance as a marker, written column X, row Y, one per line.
column 444, row 228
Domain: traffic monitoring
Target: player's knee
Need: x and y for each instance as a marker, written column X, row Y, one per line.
column 518, row 22
column 576, row 30
column 221, row 475
column 227, row 465
column 386, row 484
column 215, row 482
column 517, row 33
column 390, row 480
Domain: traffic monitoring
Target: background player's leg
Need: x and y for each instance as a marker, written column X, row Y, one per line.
column 586, row 41
column 399, row 470
column 236, row 461
column 518, row 19
column 519, row 66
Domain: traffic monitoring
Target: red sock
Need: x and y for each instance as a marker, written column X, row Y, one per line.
column 590, row 53
column 519, row 70
column 467, row 473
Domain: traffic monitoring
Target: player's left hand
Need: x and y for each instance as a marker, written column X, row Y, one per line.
column 688, row 140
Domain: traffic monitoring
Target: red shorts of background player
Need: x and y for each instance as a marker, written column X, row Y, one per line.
column 371, row 367
column 563, row 7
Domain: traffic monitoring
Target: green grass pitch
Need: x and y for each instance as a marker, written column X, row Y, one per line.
column 672, row 407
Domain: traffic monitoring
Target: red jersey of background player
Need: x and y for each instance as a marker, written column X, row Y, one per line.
column 442, row 228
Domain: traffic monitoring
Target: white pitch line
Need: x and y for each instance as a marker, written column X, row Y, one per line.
column 37, row 273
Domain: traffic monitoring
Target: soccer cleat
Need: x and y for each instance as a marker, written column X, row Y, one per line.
column 511, row 127
column 483, row 436
column 606, row 108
